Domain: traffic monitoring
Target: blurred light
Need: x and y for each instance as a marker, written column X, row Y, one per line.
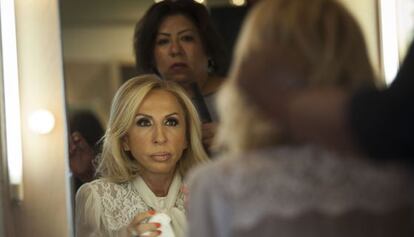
column 41, row 121
column 11, row 98
column 199, row 1
column 389, row 39
column 238, row 2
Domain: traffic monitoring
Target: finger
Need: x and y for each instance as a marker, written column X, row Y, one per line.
column 145, row 228
column 186, row 192
column 142, row 216
column 76, row 136
column 211, row 126
column 209, row 130
column 151, row 234
column 208, row 142
column 72, row 144
column 184, row 189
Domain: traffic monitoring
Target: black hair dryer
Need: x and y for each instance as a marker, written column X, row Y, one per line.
column 200, row 104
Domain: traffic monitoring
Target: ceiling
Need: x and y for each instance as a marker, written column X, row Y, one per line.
column 76, row 13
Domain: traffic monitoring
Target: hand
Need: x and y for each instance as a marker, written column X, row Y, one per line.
column 81, row 156
column 186, row 192
column 208, row 133
column 138, row 227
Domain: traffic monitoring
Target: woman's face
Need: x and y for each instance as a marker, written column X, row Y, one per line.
column 157, row 137
column 178, row 52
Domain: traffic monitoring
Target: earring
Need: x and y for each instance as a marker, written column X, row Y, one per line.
column 211, row 65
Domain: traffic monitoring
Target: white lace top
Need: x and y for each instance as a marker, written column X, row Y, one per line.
column 301, row 191
column 105, row 209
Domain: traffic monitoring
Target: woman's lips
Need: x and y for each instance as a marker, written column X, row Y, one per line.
column 178, row 66
column 161, row 156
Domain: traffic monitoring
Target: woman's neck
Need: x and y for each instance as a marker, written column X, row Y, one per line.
column 159, row 184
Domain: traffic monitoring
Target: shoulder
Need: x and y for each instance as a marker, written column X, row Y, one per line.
column 211, row 176
column 102, row 187
column 116, row 204
column 297, row 179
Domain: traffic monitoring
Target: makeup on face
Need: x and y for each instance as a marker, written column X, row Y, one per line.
column 157, row 138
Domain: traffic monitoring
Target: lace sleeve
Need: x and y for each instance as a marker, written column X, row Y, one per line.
column 87, row 212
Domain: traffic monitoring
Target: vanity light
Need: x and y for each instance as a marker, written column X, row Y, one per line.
column 11, row 98
column 199, row 1
column 389, row 40
column 238, row 2
column 41, row 121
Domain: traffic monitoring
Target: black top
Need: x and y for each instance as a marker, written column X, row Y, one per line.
column 383, row 121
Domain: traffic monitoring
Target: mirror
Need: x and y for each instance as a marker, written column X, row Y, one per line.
column 97, row 47
column 98, row 53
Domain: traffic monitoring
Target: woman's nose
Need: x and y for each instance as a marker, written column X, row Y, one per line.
column 175, row 48
column 159, row 135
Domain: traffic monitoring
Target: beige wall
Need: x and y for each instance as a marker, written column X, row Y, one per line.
column 81, row 42
column 44, row 210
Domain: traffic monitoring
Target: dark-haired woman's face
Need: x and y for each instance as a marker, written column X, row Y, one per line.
column 178, row 52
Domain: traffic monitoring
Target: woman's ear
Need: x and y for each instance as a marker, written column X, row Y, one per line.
column 125, row 143
column 186, row 143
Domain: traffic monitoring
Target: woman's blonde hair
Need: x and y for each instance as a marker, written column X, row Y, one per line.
column 328, row 49
column 117, row 164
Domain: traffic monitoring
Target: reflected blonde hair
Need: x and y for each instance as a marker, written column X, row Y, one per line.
column 324, row 39
column 116, row 164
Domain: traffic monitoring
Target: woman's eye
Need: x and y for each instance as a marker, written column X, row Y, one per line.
column 162, row 41
column 143, row 122
column 187, row 38
column 172, row 122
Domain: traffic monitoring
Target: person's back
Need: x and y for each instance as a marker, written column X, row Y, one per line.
column 267, row 185
column 301, row 191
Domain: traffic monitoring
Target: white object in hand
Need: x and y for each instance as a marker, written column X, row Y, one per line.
column 165, row 221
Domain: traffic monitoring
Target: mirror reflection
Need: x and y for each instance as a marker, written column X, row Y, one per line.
column 98, row 46
column 104, row 46
column 147, row 146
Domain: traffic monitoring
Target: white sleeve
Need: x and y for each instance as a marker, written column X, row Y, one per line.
column 209, row 212
column 88, row 213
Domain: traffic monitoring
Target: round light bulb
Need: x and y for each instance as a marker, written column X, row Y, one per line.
column 238, row 2
column 41, row 121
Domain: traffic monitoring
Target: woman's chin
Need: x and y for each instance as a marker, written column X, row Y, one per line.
column 180, row 78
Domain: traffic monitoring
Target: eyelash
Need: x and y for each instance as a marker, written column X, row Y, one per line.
column 185, row 38
column 162, row 41
column 171, row 120
column 188, row 38
column 144, row 122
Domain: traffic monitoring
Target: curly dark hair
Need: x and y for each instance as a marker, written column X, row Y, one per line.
column 146, row 31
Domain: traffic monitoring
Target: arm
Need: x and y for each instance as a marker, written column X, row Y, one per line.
column 87, row 213
column 81, row 156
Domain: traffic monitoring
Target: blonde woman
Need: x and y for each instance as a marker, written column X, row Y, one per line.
column 152, row 140
column 266, row 185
